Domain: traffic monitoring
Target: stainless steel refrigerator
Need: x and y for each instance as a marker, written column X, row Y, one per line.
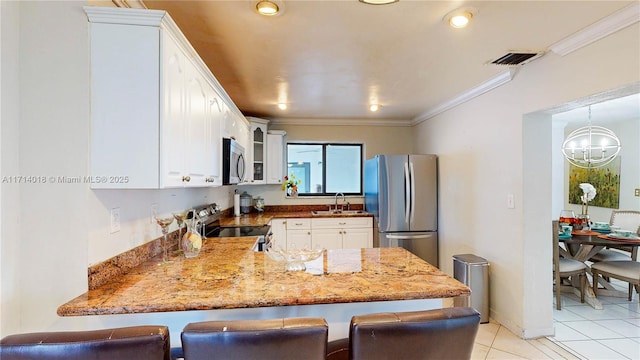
column 401, row 191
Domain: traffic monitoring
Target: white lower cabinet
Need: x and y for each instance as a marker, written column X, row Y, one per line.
column 291, row 233
column 327, row 233
column 279, row 233
column 298, row 233
column 342, row 233
column 298, row 239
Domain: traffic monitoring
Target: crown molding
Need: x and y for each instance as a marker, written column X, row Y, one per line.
column 136, row 4
column 125, row 16
column 342, row 122
column 488, row 85
column 622, row 18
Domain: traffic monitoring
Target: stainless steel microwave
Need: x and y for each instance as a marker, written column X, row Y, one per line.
column 233, row 162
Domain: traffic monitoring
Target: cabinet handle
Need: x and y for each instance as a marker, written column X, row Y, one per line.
column 308, row 232
column 298, row 224
column 342, row 223
column 186, row 178
column 210, row 180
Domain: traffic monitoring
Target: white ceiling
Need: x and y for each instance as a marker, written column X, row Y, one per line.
column 330, row 59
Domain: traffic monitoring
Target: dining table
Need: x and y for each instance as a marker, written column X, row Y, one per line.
column 582, row 245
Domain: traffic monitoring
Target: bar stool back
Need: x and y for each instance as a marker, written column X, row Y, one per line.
column 287, row 338
column 447, row 333
column 136, row 342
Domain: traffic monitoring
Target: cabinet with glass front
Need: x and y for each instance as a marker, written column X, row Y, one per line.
column 258, row 151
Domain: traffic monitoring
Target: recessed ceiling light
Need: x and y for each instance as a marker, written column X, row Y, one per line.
column 282, row 106
column 378, row 2
column 267, row 8
column 374, row 107
column 460, row 18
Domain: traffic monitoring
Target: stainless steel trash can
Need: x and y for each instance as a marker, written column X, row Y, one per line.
column 473, row 271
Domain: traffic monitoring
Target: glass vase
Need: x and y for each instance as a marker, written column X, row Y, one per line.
column 192, row 240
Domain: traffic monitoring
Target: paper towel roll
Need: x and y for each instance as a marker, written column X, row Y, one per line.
column 236, row 204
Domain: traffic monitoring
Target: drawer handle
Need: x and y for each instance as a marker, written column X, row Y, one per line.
column 298, row 224
column 186, row 178
column 342, row 223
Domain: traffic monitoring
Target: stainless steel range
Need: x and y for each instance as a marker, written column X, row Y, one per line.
column 210, row 215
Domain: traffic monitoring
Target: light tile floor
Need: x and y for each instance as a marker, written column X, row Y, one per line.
column 581, row 332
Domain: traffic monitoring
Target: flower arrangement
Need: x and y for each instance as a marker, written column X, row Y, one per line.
column 589, row 192
column 290, row 184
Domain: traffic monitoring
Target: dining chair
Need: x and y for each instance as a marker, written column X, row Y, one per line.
column 134, row 342
column 628, row 271
column 565, row 268
column 625, row 219
column 284, row 338
column 447, row 333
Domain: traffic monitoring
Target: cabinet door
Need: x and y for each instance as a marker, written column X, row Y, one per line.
column 279, row 230
column 196, row 151
column 275, row 158
column 357, row 238
column 258, row 153
column 172, row 127
column 298, row 239
column 230, row 125
column 216, row 117
column 326, row 238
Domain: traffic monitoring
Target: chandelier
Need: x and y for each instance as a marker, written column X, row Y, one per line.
column 591, row 146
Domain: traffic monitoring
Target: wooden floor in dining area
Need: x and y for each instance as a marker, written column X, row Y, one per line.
column 582, row 332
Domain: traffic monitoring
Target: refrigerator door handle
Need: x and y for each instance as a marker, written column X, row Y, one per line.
column 413, row 192
column 407, row 190
column 409, row 236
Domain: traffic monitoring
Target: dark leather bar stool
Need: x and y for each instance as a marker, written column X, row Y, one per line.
column 135, row 342
column 288, row 338
column 447, row 333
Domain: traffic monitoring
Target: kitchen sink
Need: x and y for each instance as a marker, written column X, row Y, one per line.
column 337, row 212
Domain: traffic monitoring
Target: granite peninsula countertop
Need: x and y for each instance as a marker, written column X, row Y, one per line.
column 228, row 274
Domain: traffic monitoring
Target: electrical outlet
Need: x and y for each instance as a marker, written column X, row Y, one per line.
column 115, row 220
column 511, row 202
column 637, row 192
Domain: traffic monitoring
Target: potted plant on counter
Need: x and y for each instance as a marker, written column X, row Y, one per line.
column 290, row 185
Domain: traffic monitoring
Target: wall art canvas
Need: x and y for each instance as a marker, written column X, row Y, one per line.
column 605, row 179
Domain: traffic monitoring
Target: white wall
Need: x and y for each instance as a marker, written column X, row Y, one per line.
column 481, row 146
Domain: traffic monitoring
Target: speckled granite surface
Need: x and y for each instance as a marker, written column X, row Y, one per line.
column 229, row 274
column 103, row 272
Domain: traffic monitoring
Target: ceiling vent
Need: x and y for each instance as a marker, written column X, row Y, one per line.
column 514, row 58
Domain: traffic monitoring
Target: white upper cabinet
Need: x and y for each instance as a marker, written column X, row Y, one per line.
column 157, row 112
column 257, row 151
column 275, row 157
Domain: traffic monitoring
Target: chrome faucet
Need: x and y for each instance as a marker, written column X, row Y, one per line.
column 336, row 199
